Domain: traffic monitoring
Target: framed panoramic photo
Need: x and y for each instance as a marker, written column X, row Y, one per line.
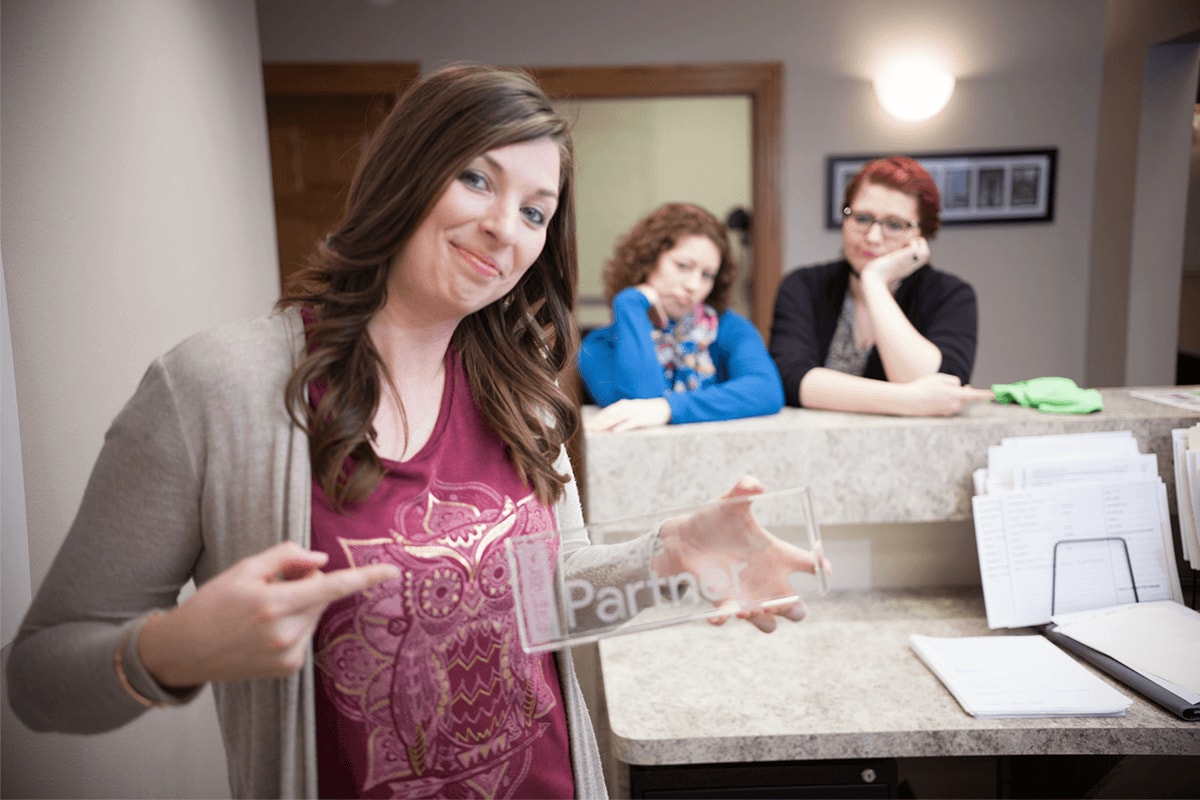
column 976, row 187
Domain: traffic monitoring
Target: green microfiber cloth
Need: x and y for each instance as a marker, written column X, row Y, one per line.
column 1057, row 395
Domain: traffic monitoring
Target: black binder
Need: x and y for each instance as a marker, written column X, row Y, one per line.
column 1130, row 677
column 1103, row 662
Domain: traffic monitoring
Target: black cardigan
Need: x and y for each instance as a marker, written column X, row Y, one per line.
column 939, row 305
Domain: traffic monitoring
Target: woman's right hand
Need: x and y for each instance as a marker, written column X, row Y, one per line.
column 939, row 395
column 631, row 414
column 254, row 620
column 658, row 316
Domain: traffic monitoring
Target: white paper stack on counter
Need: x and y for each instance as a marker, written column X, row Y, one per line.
column 1071, row 522
column 1186, row 450
column 1016, row 676
column 1074, row 537
column 1180, row 397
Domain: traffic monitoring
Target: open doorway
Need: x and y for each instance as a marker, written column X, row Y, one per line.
column 634, row 154
column 761, row 84
column 1187, row 369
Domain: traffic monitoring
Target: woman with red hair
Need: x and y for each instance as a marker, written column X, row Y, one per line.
column 879, row 331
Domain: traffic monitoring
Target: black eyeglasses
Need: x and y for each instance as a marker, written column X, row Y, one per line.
column 891, row 227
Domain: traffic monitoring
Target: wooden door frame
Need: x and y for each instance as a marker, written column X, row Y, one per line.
column 763, row 83
column 309, row 79
column 364, row 84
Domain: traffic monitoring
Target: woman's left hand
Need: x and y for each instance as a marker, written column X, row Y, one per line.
column 727, row 539
column 627, row 415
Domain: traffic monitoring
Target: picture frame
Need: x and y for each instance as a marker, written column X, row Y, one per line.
column 977, row 187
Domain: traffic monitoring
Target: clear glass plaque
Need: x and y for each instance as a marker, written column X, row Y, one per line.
column 741, row 554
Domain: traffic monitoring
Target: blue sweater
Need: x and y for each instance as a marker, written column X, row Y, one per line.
column 619, row 362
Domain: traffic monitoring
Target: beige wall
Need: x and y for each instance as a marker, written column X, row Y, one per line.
column 136, row 210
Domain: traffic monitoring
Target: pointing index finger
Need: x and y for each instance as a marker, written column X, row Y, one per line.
column 326, row 587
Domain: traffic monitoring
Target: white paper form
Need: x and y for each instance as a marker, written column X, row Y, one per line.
column 1016, row 676
column 992, row 545
column 1193, row 485
column 1086, row 470
column 1188, row 399
column 1185, row 491
column 979, row 480
column 1192, row 482
column 1021, row 451
column 1016, row 532
column 1160, row 640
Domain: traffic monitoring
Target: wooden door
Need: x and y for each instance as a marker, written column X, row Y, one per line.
column 319, row 116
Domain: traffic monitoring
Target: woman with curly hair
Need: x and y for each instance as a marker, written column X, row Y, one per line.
column 675, row 351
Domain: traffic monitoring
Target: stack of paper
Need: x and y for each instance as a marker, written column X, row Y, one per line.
column 1071, row 522
column 1186, row 444
column 1186, row 398
column 1016, row 676
column 1033, row 462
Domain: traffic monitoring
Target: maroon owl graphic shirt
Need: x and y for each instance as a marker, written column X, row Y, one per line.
column 422, row 687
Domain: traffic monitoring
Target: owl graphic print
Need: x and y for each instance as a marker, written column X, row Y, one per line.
column 422, row 688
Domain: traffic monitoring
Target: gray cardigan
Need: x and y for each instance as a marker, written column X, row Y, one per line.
column 202, row 468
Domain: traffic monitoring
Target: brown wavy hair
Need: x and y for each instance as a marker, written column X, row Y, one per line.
column 512, row 350
column 637, row 252
column 906, row 175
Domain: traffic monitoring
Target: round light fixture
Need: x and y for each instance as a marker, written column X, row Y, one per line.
column 912, row 92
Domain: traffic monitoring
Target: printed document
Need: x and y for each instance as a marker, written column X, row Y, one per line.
column 1186, row 398
column 1185, row 446
column 1016, row 534
column 1016, row 676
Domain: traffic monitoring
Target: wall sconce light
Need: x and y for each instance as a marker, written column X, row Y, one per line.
column 913, row 92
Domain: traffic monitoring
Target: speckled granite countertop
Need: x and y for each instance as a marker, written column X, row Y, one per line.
column 862, row 468
column 841, row 684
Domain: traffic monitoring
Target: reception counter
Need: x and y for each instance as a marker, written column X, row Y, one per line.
column 843, row 691
column 861, row 468
column 839, row 702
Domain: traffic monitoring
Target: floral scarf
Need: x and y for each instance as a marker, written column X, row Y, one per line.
column 683, row 349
